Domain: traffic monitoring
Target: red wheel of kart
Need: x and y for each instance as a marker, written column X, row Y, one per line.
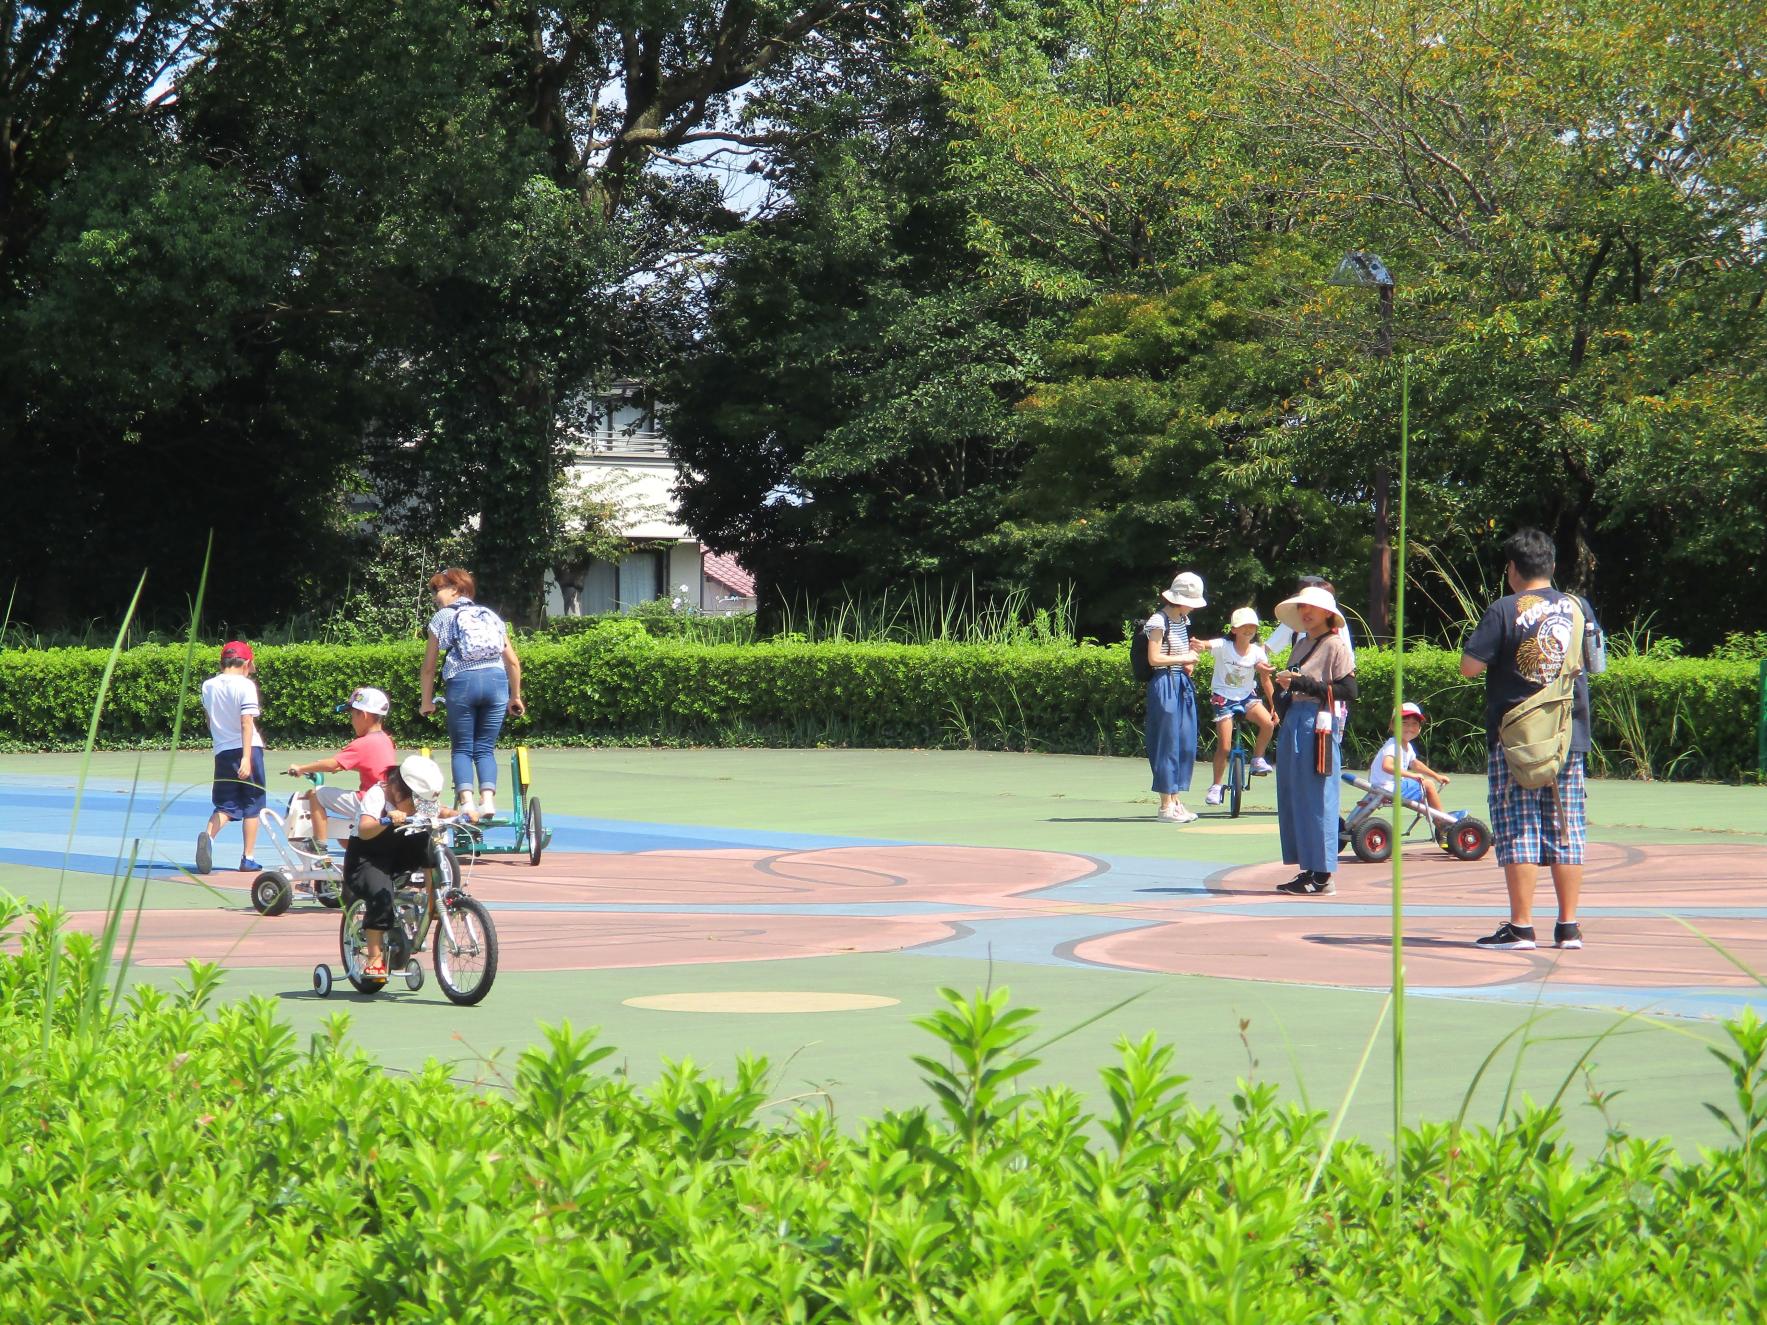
column 1469, row 839
column 1372, row 841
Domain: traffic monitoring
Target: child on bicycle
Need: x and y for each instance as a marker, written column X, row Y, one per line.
column 1417, row 780
column 378, row 856
column 1242, row 668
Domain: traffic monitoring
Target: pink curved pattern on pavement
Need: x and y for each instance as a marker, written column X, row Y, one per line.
column 530, row 940
column 1239, row 927
column 1356, row 950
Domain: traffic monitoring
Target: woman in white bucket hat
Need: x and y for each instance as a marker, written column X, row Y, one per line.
column 1171, row 699
column 1320, row 671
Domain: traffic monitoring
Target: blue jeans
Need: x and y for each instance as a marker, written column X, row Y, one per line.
column 477, row 701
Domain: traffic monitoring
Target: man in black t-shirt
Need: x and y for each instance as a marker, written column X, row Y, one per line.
column 1523, row 642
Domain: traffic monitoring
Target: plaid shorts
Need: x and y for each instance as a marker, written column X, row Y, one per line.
column 1526, row 827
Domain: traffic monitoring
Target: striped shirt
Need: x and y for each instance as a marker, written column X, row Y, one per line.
column 1177, row 630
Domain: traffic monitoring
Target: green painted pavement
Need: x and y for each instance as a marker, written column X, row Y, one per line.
column 1305, row 1038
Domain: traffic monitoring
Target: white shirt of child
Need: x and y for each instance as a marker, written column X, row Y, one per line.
column 226, row 699
column 1378, row 777
column 1236, row 673
column 374, row 804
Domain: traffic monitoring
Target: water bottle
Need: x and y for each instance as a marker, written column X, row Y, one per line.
column 1594, row 643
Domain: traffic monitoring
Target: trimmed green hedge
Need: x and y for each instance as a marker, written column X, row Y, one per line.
column 184, row 1161
column 618, row 685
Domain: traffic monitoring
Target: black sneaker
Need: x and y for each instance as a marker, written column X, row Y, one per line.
column 205, row 852
column 1567, row 935
column 1510, row 938
column 1308, row 884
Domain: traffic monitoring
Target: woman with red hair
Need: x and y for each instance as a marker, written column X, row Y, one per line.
column 481, row 679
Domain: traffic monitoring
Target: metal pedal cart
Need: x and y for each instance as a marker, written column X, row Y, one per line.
column 1369, row 834
column 531, row 838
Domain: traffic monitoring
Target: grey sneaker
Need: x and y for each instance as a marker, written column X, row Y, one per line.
column 1510, row 938
column 205, row 852
column 1567, row 935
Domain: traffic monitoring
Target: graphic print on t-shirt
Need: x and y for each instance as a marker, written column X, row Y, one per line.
column 1545, row 626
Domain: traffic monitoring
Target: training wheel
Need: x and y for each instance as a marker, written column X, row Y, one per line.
column 322, row 980
column 413, row 976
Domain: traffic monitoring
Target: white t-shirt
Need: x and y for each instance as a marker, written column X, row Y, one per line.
column 226, row 699
column 1378, row 777
column 1236, row 674
column 373, row 805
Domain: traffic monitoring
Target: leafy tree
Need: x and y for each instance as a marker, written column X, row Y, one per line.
column 846, row 417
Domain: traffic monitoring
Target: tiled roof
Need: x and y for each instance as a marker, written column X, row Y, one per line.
column 727, row 572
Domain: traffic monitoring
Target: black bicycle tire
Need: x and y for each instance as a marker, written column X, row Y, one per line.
column 466, row 998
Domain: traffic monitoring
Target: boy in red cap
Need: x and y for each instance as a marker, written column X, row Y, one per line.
column 230, row 700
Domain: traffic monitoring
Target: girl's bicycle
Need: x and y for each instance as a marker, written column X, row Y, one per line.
column 431, row 906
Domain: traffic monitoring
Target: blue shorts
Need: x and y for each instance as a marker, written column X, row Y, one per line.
column 234, row 798
column 1410, row 789
column 1232, row 708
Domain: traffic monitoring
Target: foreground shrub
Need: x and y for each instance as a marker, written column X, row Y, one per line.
column 616, row 683
column 181, row 1161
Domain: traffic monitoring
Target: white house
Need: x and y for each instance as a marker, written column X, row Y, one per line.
column 622, row 447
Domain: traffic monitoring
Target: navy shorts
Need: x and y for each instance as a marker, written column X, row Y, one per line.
column 234, row 798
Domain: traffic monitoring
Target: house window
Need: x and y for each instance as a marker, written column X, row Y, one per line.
column 641, row 578
column 601, row 589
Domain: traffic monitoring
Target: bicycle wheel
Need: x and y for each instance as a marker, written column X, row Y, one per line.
column 465, row 950
column 1237, row 766
column 353, row 949
column 535, row 828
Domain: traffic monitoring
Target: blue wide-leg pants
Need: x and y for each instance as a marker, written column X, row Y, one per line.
column 1307, row 804
column 1171, row 730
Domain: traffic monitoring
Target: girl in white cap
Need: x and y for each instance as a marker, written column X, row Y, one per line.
column 1307, row 759
column 1242, row 668
column 1171, row 699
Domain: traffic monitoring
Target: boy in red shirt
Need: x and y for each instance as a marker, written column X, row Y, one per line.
column 370, row 756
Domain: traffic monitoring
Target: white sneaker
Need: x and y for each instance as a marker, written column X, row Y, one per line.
column 1262, row 766
column 1185, row 816
column 1168, row 814
column 487, row 807
column 1213, row 797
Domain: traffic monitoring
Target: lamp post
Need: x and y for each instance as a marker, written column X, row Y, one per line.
column 1366, row 271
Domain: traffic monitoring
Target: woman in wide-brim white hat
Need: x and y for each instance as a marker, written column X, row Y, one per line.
column 1171, row 699
column 1320, row 671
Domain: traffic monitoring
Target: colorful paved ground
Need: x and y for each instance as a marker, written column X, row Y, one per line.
column 703, row 903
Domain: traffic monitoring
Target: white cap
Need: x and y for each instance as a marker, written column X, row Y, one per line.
column 370, row 700
column 422, row 775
